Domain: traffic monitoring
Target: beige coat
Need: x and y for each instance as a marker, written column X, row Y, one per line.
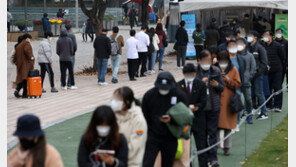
column 17, row 158
column 134, row 127
column 120, row 41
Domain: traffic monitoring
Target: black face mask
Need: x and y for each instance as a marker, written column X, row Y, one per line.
column 27, row 144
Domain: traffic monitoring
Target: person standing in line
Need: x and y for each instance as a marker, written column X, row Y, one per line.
column 32, row 150
column 156, row 102
column 248, row 69
column 247, row 23
column 212, row 37
column 83, row 31
column 102, row 46
column 45, row 60
column 163, row 41
column 131, row 123
column 211, row 76
column 260, row 56
column 199, row 38
column 181, row 44
column 195, row 90
column 89, row 30
column 9, row 18
column 155, row 41
column 102, row 134
column 227, row 119
column 229, row 36
column 132, row 55
column 24, row 60
column 144, row 42
column 284, row 43
column 73, row 38
column 225, row 29
column 276, row 57
column 65, row 51
column 46, row 23
column 117, row 42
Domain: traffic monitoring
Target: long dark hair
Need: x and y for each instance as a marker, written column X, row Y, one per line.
column 19, row 40
column 103, row 114
column 159, row 27
column 152, row 31
column 128, row 97
column 39, row 152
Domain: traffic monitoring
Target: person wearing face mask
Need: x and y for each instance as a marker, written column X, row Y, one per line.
column 284, row 43
column 227, row 119
column 102, row 145
column 197, row 96
column 276, row 59
column 211, row 76
column 247, row 70
column 131, row 123
column 45, row 60
column 24, row 60
column 156, row 103
column 32, row 150
column 260, row 56
column 229, row 37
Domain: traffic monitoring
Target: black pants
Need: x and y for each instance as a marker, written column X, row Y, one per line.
column 45, row 67
column 132, row 66
column 84, row 36
column 168, row 149
column 64, row 65
column 132, row 24
column 181, row 55
column 91, row 35
column 8, row 26
column 275, row 84
column 142, row 61
column 285, row 74
column 149, row 57
column 200, row 137
column 212, row 127
column 24, row 86
column 198, row 49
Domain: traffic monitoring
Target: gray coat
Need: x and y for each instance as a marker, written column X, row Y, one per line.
column 72, row 36
column 44, row 52
column 65, row 47
column 247, row 67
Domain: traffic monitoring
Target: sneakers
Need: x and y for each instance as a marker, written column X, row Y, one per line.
column 103, row 83
column 16, row 94
column 226, row 151
column 54, row 90
column 152, row 72
column 73, row 87
column 133, row 79
column 262, row 117
column 250, row 120
column 254, row 112
column 43, row 90
column 277, row 110
column 64, row 87
column 236, row 128
column 114, row 80
column 214, row 164
column 268, row 109
column 160, row 69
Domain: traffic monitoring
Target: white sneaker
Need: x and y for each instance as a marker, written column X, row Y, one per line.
column 182, row 67
column 73, row 87
column 152, row 72
column 104, row 83
column 236, row 128
column 277, row 110
column 254, row 112
column 100, row 83
column 64, row 87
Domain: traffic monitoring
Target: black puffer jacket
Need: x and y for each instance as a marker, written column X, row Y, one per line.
column 215, row 92
column 181, row 37
column 260, row 56
column 276, row 56
column 102, row 47
column 284, row 44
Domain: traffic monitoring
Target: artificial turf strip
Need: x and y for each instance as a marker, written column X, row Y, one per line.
column 275, row 145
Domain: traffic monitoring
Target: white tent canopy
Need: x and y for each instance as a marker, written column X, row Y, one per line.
column 189, row 5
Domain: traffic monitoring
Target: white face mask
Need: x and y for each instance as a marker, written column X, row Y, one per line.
column 265, row 39
column 223, row 65
column 278, row 35
column 116, row 105
column 189, row 79
column 233, row 50
column 240, row 48
column 205, row 67
column 164, row 92
column 103, row 131
column 250, row 39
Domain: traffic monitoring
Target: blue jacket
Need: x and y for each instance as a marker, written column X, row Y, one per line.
column 46, row 24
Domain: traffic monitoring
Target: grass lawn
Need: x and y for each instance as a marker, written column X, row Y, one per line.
column 275, row 145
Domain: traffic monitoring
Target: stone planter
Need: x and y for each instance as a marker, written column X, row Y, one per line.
column 55, row 29
column 13, row 36
column 109, row 24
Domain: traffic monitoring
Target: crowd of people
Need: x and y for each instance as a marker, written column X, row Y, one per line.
column 128, row 132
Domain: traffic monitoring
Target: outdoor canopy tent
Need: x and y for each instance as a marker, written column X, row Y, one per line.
column 190, row 5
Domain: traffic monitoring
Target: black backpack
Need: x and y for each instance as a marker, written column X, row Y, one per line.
column 34, row 73
column 236, row 104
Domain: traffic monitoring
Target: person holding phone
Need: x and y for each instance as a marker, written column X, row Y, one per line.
column 102, row 144
column 156, row 102
column 211, row 76
column 131, row 123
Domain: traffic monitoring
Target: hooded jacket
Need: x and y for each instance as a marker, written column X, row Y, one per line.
column 133, row 125
column 44, row 52
column 73, row 38
column 260, row 56
column 102, row 47
column 247, row 67
column 64, row 47
column 181, row 37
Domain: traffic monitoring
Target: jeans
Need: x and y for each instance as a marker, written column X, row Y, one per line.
column 257, row 85
column 64, row 65
column 160, row 54
column 181, row 54
column 73, row 63
column 198, row 49
column 45, row 67
column 247, row 92
column 102, row 69
column 151, row 61
column 115, row 61
column 275, row 84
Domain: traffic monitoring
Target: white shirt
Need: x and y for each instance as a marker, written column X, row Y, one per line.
column 190, row 85
column 144, row 41
column 132, row 48
column 156, row 41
